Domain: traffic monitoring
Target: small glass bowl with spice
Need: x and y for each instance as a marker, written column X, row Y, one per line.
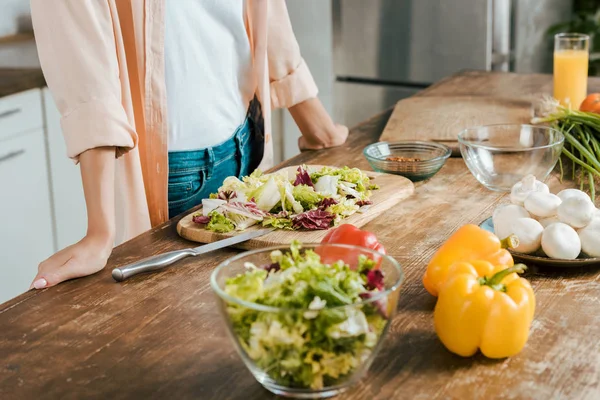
column 414, row 160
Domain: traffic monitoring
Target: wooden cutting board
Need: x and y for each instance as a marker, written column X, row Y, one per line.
column 442, row 118
column 393, row 189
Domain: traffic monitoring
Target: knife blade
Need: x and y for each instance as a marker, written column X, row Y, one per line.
column 163, row 260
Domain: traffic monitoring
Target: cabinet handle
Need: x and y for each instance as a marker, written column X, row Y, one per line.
column 10, row 155
column 10, row 112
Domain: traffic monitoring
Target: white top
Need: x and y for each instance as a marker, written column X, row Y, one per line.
column 208, row 71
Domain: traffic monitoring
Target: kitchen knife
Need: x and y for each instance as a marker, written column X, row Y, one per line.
column 163, row 260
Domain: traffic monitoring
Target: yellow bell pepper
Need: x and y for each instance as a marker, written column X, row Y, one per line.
column 486, row 307
column 469, row 243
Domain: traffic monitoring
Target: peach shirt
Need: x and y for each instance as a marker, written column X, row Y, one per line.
column 104, row 64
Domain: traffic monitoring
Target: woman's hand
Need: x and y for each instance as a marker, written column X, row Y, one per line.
column 318, row 130
column 90, row 254
column 335, row 136
column 85, row 257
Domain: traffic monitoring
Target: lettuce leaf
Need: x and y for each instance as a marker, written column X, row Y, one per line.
column 219, row 223
column 278, row 223
column 327, row 185
column 352, row 175
column 243, row 215
column 288, row 202
column 307, row 196
column 267, row 195
column 231, row 184
column 344, row 208
column 255, row 179
column 210, row 205
column 248, row 286
column 347, row 189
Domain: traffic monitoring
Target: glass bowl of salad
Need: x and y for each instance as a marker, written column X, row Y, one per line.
column 308, row 320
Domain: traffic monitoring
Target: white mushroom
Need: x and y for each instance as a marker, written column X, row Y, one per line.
column 590, row 238
column 597, row 214
column 542, row 204
column 569, row 193
column 560, row 241
column 527, row 185
column 548, row 220
column 529, row 232
column 504, row 216
column 576, row 212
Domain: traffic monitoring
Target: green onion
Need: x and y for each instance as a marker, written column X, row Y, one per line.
column 582, row 143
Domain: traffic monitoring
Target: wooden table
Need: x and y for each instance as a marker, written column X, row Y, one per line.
column 160, row 335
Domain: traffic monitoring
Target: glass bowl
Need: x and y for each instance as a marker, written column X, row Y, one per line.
column 416, row 161
column 501, row 155
column 299, row 352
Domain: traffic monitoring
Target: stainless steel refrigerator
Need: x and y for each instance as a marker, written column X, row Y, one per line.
column 386, row 50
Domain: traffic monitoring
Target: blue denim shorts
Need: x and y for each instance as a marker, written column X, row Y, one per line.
column 195, row 174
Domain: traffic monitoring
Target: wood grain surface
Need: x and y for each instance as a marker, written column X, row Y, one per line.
column 442, row 118
column 160, row 335
column 393, row 189
column 16, row 80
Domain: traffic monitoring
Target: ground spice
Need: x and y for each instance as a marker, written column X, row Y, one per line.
column 402, row 159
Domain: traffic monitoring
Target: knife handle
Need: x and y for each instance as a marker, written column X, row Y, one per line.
column 150, row 264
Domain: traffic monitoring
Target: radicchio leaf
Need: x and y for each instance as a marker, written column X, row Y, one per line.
column 375, row 279
column 227, row 195
column 303, row 178
column 362, row 203
column 326, row 202
column 380, row 305
column 313, row 220
column 271, row 267
column 200, row 219
column 249, row 209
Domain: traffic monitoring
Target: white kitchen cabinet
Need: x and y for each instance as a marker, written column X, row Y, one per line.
column 21, row 112
column 42, row 208
column 67, row 190
column 26, row 236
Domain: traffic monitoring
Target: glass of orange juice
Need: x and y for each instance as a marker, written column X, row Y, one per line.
column 571, row 55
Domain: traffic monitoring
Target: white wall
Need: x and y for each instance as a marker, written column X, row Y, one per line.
column 15, row 18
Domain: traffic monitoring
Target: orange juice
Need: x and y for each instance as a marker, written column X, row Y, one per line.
column 570, row 77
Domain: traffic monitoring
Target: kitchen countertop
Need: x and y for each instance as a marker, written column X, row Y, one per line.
column 15, row 80
column 160, row 335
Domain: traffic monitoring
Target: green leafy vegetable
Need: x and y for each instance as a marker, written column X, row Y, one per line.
column 267, row 195
column 346, row 174
column 312, row 344
column 290, row 203
column 278, row 222
column 219, row 223
column 582, row 140
column 307, row 196
column 344, row 208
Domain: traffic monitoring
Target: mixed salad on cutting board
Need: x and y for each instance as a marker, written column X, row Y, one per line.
column 308, row 199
